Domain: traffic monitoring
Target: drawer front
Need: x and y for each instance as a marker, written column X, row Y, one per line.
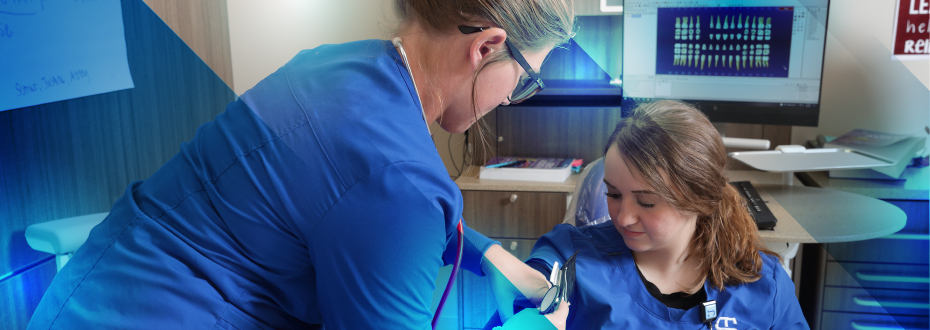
column 878, row 276
column 478, row 302
column 514, row 214
column 884, row 250
column 876, row 301
column 833, row 320
column 917, row 216
column 519, row 248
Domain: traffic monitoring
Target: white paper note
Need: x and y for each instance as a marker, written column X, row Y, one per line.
column 53, row 50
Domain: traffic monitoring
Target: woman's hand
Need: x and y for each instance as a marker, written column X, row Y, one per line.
column 511, row 278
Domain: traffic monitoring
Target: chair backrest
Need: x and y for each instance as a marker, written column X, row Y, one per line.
column 589, row 202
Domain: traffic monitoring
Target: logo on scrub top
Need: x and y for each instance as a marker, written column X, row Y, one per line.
column 726, row 323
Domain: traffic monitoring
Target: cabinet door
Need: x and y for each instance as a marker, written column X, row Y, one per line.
column 513, row 214
column 478, row 304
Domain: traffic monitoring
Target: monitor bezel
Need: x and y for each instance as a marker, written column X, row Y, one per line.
column 765, row 113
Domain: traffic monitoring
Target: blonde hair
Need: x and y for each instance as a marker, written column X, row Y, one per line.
column 676, row 139
column 531, row 25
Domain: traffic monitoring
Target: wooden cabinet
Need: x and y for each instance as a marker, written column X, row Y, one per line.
column 514, row 213
column 515, row 219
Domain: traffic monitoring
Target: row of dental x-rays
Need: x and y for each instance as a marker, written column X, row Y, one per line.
column 757, row 54
column 754, row 28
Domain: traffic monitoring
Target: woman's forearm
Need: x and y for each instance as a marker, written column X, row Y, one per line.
column 507, row 273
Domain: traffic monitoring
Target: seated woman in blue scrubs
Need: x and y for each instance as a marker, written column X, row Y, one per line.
column 679, row 236
column 318, row 197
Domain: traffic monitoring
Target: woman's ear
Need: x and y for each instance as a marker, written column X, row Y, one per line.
column 486, row 43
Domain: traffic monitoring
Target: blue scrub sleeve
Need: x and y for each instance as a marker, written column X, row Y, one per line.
column 555, row 245
column 788, row 314
column 473, row 251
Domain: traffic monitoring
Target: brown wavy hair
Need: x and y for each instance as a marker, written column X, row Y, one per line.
column 677, row 139
column 531, row 25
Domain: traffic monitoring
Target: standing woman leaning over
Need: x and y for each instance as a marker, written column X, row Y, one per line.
column 318, row 196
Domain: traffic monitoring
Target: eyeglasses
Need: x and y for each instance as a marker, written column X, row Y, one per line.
column 528, row 85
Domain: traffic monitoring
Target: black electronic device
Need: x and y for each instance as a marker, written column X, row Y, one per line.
column 756, row 206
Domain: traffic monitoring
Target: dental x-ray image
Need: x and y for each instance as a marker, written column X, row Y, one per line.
column 749, row 41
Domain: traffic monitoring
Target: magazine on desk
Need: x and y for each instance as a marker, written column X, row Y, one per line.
column 896, row 148
column 528, row 169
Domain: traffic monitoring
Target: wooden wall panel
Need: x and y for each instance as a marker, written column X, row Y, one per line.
column 77, row 156
column 564, row 132
column 204, row 27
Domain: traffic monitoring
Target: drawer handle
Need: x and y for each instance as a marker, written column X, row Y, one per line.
column 891, row 278
column 918, row 237
column 513, row 198
column 869, row 302
column 513, row 246
column 858, row 326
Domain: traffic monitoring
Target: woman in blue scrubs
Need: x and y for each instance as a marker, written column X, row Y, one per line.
column 318, row 197
column 679, row 236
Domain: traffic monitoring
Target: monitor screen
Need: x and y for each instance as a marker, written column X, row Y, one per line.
column 757, row 62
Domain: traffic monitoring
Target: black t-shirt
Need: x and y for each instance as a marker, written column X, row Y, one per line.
column 677, row 300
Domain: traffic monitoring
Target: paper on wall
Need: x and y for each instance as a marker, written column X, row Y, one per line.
column 53, row 50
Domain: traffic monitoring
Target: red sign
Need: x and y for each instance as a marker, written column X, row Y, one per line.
column 912, row 30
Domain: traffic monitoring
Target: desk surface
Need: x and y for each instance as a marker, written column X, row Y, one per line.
column 788, row 228
column 815, row 215
column 805, row 214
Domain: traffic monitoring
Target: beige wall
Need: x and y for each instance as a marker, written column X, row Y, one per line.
column 862, row 86
column 202, row 25
column 266, row 34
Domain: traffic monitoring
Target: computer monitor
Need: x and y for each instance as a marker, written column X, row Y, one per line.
column 757, row 62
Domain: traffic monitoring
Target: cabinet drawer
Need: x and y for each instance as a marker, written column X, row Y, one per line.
column 884, row 250
column 478, row 302
column 876, row 301
column 513, row 214
column 917, row 216
column 880, row 276
column 833, row 320
column 519, row 248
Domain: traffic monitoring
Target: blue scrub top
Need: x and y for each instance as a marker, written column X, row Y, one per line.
column 609, row 293
column 317, row 197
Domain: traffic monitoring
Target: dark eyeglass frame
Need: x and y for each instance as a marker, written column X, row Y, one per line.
column 533, row 76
